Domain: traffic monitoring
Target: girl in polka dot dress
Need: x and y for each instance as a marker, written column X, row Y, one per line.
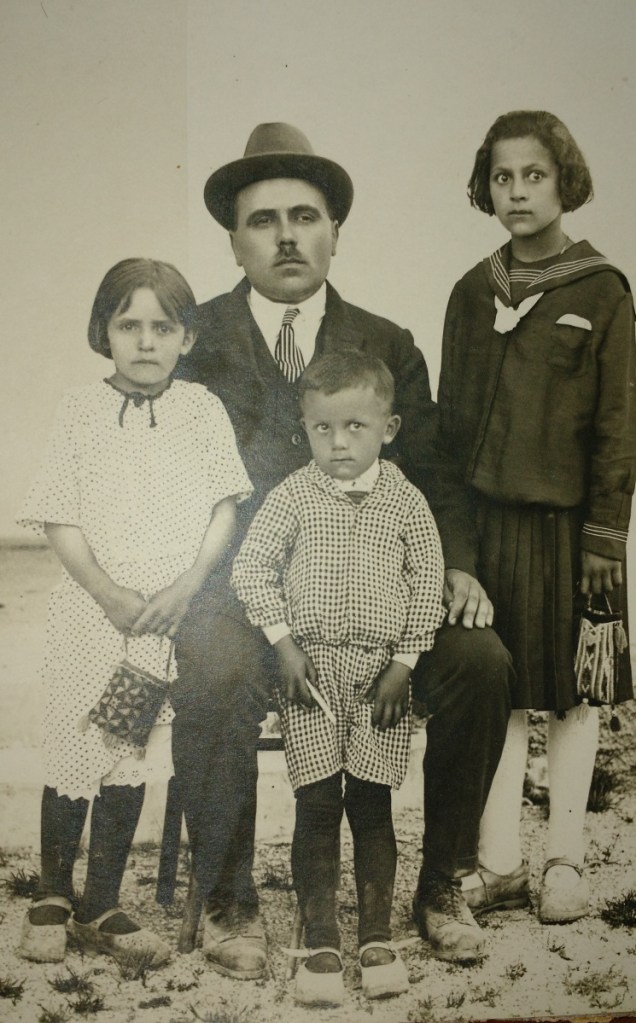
column 137, row 496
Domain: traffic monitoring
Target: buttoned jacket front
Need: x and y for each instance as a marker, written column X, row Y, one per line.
column 368, row 575
column 232, row 359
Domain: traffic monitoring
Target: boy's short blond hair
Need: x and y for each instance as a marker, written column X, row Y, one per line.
column 348, row 367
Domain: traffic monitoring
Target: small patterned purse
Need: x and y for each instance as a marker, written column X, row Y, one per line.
column 128, row 707
column 601, row 641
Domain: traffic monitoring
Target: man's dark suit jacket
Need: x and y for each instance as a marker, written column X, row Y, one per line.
column 232, row 359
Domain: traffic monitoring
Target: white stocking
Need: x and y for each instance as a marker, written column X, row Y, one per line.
column 572, row 745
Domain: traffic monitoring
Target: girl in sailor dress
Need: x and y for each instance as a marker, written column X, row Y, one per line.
column 136, row 495
column 538, row 419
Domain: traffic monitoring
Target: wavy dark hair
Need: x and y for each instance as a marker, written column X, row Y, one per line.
column 114, row 294
column 348, row 367
column 575, row 181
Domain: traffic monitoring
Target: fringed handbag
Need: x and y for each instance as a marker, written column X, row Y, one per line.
column 601, row 641
column 130, row 703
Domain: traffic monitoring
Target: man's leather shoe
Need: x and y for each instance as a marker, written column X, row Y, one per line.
column 443, row 917
column 234, row 943
column 498, row 891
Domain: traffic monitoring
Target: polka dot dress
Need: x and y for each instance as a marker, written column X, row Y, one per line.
column 143, row 497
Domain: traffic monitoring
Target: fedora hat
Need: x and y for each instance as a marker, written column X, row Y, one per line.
column 277, row 150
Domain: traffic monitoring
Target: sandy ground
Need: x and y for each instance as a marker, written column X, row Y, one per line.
column 529, row 970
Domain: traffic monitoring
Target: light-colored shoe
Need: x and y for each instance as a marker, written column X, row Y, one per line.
column 498, row 891
column 235, row 945
column 442, row 916
column 94, row 941
column 45, row 943
column 320, row 988
column 559, row 904
column 383, row 980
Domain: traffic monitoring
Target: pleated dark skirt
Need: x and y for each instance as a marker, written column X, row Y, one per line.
column 530, row 567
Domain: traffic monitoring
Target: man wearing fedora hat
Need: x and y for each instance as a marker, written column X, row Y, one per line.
column 283, row 207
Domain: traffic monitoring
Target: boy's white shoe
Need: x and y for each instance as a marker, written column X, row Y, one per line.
column 320, row 988
column 383, row 980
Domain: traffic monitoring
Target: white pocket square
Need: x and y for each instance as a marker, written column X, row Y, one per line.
column 572, row 320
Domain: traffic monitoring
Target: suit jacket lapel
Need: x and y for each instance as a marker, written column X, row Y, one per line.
column 245, row 340
column 337, row 329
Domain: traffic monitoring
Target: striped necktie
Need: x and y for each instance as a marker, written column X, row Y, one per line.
column 287, row 354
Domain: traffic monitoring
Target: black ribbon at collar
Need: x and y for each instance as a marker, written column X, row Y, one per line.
column 138, row 398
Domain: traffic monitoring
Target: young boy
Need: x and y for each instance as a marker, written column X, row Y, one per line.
column 342, row 568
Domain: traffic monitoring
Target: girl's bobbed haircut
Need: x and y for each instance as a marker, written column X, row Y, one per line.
column 575, row 181
column 114, row 294
column 347, row 367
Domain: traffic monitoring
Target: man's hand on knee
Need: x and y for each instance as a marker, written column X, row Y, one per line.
column 466, row 600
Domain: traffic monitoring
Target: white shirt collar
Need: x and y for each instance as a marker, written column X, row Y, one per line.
column 269, row 316
column 364, row 483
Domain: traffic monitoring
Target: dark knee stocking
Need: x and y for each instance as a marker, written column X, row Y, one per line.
column 368, row 809
column 113, row 823
column 61, row 824
column 315, row 858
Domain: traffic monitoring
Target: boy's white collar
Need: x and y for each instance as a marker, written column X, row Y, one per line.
column 364, row 483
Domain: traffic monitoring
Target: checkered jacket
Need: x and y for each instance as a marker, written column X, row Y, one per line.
column 367, row 575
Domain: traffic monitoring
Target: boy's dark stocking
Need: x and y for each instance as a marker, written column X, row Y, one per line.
column 61, row 824
column 315, row 859
column 113, row 823
column 368, row 809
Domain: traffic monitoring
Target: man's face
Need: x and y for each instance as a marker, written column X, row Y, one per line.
column 284, row 238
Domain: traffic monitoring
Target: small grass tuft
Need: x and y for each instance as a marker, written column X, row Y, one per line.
column 21, row 885
column 460, row 965
column 422, row 1014
column 155, row 1003
column 59, row 1015
column 72, row 984
column 87, row 1005
column 11, row 988
column 455, row 999
column 181, row 985
column 223, row 1014
column 135, row 965
column 488, row 995
column 594, row 986
column 554, row 946
column 621, row 912
column 515, row 971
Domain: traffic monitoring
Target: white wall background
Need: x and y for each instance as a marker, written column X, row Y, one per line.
column 114, row 113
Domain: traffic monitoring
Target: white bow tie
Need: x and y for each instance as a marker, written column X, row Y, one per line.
column 507, row 318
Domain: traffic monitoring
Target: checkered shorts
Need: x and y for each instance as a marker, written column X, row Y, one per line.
column 315, row 748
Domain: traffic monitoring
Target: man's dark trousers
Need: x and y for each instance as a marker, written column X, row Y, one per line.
column 465, row 682
column 219, row 699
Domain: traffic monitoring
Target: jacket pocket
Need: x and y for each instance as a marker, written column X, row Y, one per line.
column 569, row 348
